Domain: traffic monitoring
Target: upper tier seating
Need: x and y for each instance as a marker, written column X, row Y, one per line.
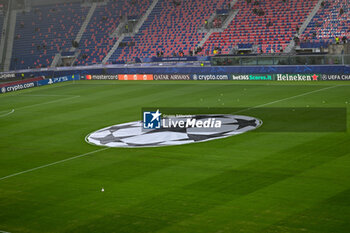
column 327, row 24
column 249, row 28
column 169, row 28
column 45, row 31
column 96, row 40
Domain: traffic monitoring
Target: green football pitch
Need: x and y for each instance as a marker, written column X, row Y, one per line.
column 259, row 181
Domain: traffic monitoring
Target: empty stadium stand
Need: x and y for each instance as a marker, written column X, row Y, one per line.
column 96, row 41
column 271, row 31
column 327, row 24
column 170, row 28
column 43, row 32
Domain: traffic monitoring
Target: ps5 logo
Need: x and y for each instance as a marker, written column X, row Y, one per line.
column 152, row 120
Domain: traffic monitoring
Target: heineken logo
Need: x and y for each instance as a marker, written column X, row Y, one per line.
column 297, row 77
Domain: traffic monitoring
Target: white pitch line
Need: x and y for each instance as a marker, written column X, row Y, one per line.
column 50, row 102
column 4, row 232
column 39, row 104
column 6, row 114
column 54, row 163
column 288, row 98
column 92, row 152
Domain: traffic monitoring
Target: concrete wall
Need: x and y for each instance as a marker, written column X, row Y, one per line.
column 339, row 48
column 50, row 2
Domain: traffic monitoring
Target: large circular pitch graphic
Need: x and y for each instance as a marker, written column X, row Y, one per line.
column 132, row 134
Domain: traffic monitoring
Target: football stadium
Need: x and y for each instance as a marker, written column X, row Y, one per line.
column 169, row 116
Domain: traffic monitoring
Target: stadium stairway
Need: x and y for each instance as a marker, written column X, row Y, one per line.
column 3, row 26
column 231, row 16
column 291, row 45
column 84, row 25
column 44, row 31
column 250, row 28
column 1, row 23
column 10, row 34
column 138, row 26
column 166, row 30
column 58, row 56
column 327, row 24
column 97, row 41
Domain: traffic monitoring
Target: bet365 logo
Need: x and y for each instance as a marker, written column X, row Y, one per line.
column 152, row 120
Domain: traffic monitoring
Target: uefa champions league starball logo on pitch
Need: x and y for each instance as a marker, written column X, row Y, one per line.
column 153, row 120
column 157, row 129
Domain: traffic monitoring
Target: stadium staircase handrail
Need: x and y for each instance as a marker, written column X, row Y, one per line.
column 136, row 30
column 291, row 45
column 227, row 22
column 112, row 50
column 84, row 25
column 145, row 16
column 118, row 31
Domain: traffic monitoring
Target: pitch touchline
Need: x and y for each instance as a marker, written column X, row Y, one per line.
column 288, row 98
column 51, row 164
